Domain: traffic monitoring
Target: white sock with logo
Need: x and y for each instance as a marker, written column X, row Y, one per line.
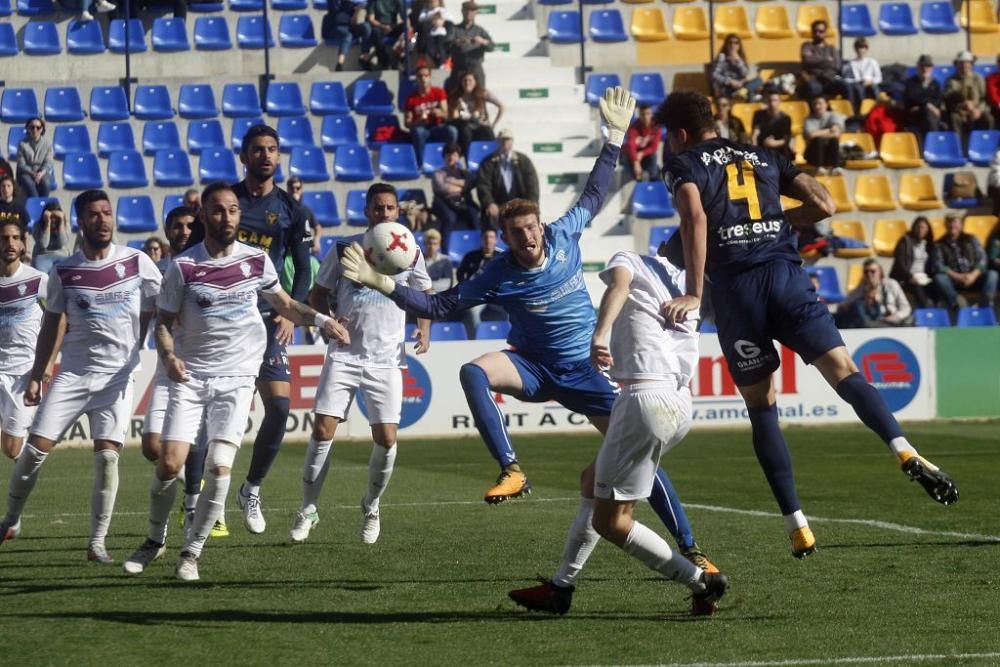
column 656, row 554
column 380, row 466
column 211, row 505
column 102, row 499
column 314, row 470
column 22, row 480
column 580, row 542
column 162, row 495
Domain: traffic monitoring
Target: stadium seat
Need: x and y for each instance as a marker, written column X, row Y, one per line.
column 289, row 5
column 917, row 193
column 81, row 171
column 841, row 106
column 837, row 185
column 170, row 202
column 294, row 131
column 973, row 316
column 15, row 135
column 152, row 103
column 84, row 37
column 352, row 164
column 980, row 226
column 196, row 100
column 658, row 234
column 690, row 24
column 8, row 40
column 160, row 135
column 202, row 134
column 211, row 33
column 371, row 96
column 460, row 242
column 854, row 230
column 63, row 105
column 35, row 206
column 35, row 7
column 943, row 149
column 217, row 164
column 309, row 164
column 295, row 31
column 808, row 13
column 896, row 18
column 745, row 111
column 433, row 158
column 829, row 283
column 856, row 21
column 564, row 27
column 202, row 7
column 114, row 137
column 493, row 330
column 169, row 35
column 284, row 99
column 135, row 215
column 70, row 139
column 886, row 235
column 867, row 143
column 933, row 318
column 448, row 331
column 899, row 150
column 239, row 130
column 376, row 128
column 937, row 226
column 337, row 131
column 961, row 202
column 772, row 22
column 651, row 199
column 240, row 100
column 255, row 6
column 328, row 98
column 126, row 169
column 937, row 17
column 606, row 25
column 985, row 69
column 326, row 244
column 647, row 87
column 398, row 162
column 598, row 83
column 797, row 110
column 873, row 193
column 983, row 144
column 136, row 36
column 732, row 19
column 40, row 38
column 323, row 204
column 108, row 103
column 478, row 151
column 355, row 208
column 18, row 105
column 251, row 31
column 172, row 169
column 647, row 25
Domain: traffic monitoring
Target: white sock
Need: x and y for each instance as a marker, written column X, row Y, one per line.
column 794, row 521
column 580, row 542
column 211, row 505
column 22, row 480
column 162, row 495
column 653, row 550
column 191, row 501
column 902, row 448
column 380, row 465
column 249, row 489
column 314, row 471
column 102, row 499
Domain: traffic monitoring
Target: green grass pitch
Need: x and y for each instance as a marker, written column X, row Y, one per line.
column 897, row 579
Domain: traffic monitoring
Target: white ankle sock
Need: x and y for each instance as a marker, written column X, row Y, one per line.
column 794, row 521
column 653, row 550
column 22, row 480
column 249, row 489
column 580, row 542
column 162, row 495
column 102, row 499
column 314, row 470
column 380, row 465
column 211, row 505
column 902, row 448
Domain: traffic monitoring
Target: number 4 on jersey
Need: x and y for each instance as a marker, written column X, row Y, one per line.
column 747, row 189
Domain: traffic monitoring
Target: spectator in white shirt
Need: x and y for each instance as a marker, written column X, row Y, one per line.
column 863, row 76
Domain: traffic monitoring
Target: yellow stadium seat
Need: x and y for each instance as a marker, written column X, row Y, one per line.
column 745, row 111
column 937, row 227
column 900, row 150
column 917, row 192
column 984, row 15
column 799, row 148
column 855, row 272
column 886, row 235
column 980, row 226
column 852, row 229
column 677, row 2
column 843, row 107
column 867, row 105
column 873, row 193
column 732, row 19
column 867, row 144
column 690, row 23
column 788, row 203
column 837, row 185
column 772, row 22
column 809, row 13
column 636, row 2
column 648, row 25
column 797, row 110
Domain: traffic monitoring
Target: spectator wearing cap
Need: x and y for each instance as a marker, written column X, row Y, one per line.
column 821, row 66
column 642, row 143
column 862, row 75
column 468, row 44
column 439, row 266
column 427, row 113
column 504, row 175
column 453, row 206
column 993, row 93
column 51, row 236
column 965, row 98
column 922, row 98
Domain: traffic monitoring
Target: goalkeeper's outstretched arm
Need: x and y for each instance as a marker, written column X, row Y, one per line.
column 617, row 107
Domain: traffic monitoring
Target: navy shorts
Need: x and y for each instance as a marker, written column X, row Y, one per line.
column 274, row 367
column 577, row 385
column 774, row 301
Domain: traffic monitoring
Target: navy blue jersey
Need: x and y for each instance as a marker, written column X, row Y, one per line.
column 740, row 188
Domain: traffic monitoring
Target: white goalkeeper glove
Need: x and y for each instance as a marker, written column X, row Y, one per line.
column 617, row 107
column 357, row 269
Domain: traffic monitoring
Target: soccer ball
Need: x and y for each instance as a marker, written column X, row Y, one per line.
column 390, row 248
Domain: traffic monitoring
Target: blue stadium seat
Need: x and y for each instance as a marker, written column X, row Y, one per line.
column 326, row 245
column 373, row 126
column 352, row 164
column 708, row 326
column 942, row 72
column 982, row 146
column 309, row 164
column 931, row 317
column 170, row 202
column 170, row 35
column 328, row 98
column 433, row 158
column 938, row 17
column 240, row 127
column 5, row 9
column 251, row 31
column 555, row 2
column 196, row 100
column 246, row 5
column 371, row 96
column 606, row 25
column 203, row 7
column 448, row 331
column 63, row 105
column 597, row 84
column 41, row 38
column 461, row 242
column 974, row 316
column 138, row 244
column 943, row 149
column 135, row 215
column 15, row 135
column 478, row 151
column 829, row 283
column 81, row 171
column 211, row 33
column 856, row 21
column 35, row 206
column 84, row 37
column 564, row 27
column 8, row 40
column 896, row 18
column 240, row 100
column 651, row 199
column 35, row 7
column 356, row 208
column 18, row 105
column 136, row 36
column 407, row 86
column 114, row 137
column 337, row 131
column 295, row 31
column 323, row 204
column 289, row 5
column 647, row 87
column 70, row 139
column 658, row 234
column 284, row 99
column 495, row 330
column 172, row 169
column 152, row 103
column 160, row 135
column 963, row 202
column 126, row 170
column 217, row 164
column 295, row 131
column 397, row 162
column 108, row 103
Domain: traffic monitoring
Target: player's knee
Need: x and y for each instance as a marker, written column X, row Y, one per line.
column 472, row 376
column 11, row 446
column 221, row 455
column 168, row 469
column 324, row 428
column 277, row 407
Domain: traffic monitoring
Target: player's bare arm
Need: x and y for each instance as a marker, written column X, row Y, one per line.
column 614, row 298
column 817, row 202
column 172, row 364
column 45, row 351
column 303, row 315
column 423, row 332
column 694, row 234
column 47, row 376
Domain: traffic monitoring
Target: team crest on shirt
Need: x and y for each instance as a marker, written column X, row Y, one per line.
column 271, row 217
column 245, row 268
column 561, row 256
column 83, row 302
column 120, row 271
column 22, row 289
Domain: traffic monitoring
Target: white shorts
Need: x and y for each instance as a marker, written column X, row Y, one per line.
column 222, row 402
column 381, row 388
column 647, row 419
column 106, row 399
column 15, row 416
column 157, row 406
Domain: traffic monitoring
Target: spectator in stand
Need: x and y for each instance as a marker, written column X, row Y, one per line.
column 87, row 11
column 192, row 200
column 5, row 168
column 922, row 98
column 862, row 76
column 472, row 265
column 876, row 302
column 993, row 93
column 822, row 129
column 296, row 188
column 885, row 116
column 51, row 236
column 961, row 266
column 439, row 268
column 993, row 182
column 468, row 44
column 387, row 19
column 453, row 206
column 772, row 127
column 432, row 24
column 344, row 22
column 136, row 8
column 965, row 98
column 821, row 66
column 426, row 113
column 34, row 160
column 10, row 208
column 732, row 76
column 156, row 249
column 468, row 113
column 642, row 143
column 913, row 263
column 504, row 175
column 993, row 249
column 727, row 125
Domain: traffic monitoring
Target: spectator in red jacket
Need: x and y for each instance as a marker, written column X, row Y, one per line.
column 993, row 92
column 642, row 142
column 884, row 117
column 426, row 113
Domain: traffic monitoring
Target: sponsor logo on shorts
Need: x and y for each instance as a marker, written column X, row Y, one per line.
column 892, row 368
column 416, row 393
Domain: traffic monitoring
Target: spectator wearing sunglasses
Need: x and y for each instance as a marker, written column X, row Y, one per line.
column 34, row 160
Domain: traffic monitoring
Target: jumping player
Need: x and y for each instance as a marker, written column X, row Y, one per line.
column 734, row 231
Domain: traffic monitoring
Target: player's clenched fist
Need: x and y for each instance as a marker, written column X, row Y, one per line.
column 617, row 107
column 357, row 269
column 33, row 394
column 176, row 368
column 600, row 355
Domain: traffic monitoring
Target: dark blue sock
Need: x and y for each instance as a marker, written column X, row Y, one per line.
column 667, row 506
column 772, row 453
column 486, row 414
column 869, row 406
column 269, row 437
column 194, row 466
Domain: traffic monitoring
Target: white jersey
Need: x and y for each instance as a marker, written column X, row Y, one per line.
column 219, row 330
column 376, row 324
column 642, row 346
column 20, row 318
column 102, row 300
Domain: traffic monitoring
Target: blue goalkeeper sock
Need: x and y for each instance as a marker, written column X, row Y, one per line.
column 869, row 406
column 486, row 414
column 667, row 506
column 269, row 438
column 772, row 453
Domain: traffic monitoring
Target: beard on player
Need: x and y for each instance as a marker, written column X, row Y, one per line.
column 98, row 232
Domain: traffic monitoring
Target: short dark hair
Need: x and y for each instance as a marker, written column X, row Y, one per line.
column 643, row 107
column 812, row 26
column 453, row 147
column 22, row 231
column 52, row 205
column 486, row 230
column 217, row 186
column 688, row 110
column 380, row 189
column 5, row 176
column 260, row 130
column 177, row 213
column 86, row 198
